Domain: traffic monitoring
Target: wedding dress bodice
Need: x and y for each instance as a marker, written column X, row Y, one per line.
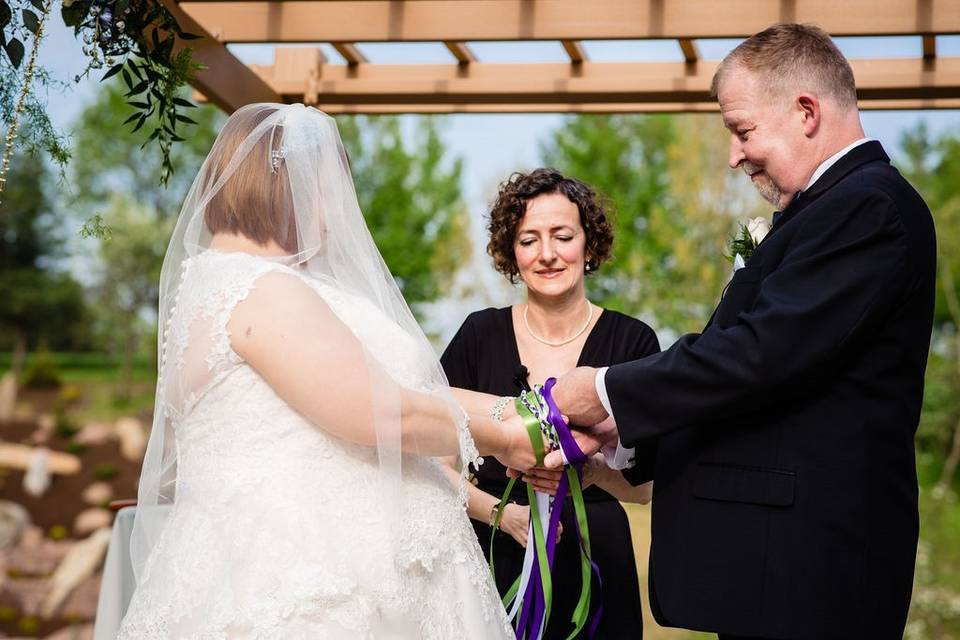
column 275, row 531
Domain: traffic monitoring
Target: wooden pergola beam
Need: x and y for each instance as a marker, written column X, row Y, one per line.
column 636, row 107
column 689, row 49
column 461, row 52
column 590, row 82
column 223, row 79
column 575, row 50
column 350, row 53
column 458, row 20
column 929, row 47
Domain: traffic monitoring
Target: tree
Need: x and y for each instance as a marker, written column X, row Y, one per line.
column 675, row 204
column 933, row 165
column 409, row 192
column 113, row 177
column 40, row 302
column 128, row 281
column 109, row 159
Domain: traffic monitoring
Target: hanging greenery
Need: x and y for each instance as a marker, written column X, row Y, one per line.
column 132, row 38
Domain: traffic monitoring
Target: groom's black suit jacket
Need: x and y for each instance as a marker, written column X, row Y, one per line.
column 785, row 494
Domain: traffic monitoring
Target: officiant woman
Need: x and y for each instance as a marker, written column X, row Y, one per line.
column 550, row 232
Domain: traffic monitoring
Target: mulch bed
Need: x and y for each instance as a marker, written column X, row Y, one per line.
column 60, row 505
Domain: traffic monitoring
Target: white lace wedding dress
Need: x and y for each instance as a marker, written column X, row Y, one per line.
column 275, row 530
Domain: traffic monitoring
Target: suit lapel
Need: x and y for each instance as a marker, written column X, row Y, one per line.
column 858, row 156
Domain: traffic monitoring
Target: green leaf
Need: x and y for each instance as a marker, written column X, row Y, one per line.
column 180, row 102
column 131, row 118
column 74, row 14
column 136, row 71
column 143, row 119
column 14, row 50
column 126, row 77
column 183, row 118
column 5, row 14
column 139, row 105
column 38, row 4
column 140, row 88
column 153, row 136
column 114, row 70
column 31, row 21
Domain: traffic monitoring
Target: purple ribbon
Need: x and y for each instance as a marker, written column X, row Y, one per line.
column 575, row 457
column 571, row 449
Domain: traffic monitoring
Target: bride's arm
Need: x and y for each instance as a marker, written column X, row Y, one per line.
column 289, row 335
column 477, row 403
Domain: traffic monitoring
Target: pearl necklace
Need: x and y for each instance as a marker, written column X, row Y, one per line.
column 586, row 324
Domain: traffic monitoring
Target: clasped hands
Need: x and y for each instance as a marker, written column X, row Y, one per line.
column 576, row 397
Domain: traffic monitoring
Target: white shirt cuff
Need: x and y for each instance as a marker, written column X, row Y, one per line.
column 601, row 387
column 621, row 457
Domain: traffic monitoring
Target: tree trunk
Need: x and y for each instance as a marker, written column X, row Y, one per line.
column 19, row 353
column 125, row 384
column 953, row 305
column 10, row 382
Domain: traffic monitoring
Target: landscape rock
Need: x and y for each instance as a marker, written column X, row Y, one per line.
column 36, row 480
column 73, row 632
column 94, row 433
column 8, row 396
column 97, row 494
column 19, row 456
column 89, row 520
column 133, row 438
column 46, row 423
column 79, row 564
column 14, row 519
column 36, row 556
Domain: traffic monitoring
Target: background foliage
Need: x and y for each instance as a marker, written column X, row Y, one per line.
column 92, row 301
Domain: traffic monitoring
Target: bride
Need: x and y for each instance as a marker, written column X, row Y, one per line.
column 290, row 488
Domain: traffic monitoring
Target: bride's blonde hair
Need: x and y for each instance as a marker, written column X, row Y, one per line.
column 256, row 201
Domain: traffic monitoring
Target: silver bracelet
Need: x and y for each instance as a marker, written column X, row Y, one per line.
column 496, row 411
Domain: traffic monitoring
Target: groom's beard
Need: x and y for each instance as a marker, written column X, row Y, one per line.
column 765, row 186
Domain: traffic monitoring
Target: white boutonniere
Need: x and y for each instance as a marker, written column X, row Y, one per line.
column 742, row 244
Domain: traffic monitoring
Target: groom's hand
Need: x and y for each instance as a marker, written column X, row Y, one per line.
column 576, row 396
column 588, row 441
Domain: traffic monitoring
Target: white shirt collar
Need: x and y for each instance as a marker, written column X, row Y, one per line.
column 829, row 162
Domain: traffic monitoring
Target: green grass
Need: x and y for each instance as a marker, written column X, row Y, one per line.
column 97, row 377
column 90, row 367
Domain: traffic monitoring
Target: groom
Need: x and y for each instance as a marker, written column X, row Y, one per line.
column 785, row 501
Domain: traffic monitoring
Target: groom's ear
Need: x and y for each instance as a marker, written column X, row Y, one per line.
column 808, row 109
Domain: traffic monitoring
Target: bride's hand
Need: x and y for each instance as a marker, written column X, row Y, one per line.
column 516, row 452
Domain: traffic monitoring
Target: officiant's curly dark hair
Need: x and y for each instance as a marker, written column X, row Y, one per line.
column 511, row 205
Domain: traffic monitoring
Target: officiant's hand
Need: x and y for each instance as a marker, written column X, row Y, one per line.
column 575, row 393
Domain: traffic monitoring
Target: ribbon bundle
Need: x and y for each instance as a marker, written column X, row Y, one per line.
column 529, row 598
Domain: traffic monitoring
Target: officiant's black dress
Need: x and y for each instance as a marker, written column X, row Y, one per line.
column 483, row 356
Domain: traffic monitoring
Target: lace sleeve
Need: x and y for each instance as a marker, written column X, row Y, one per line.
column 469, row 454
column 197, row 350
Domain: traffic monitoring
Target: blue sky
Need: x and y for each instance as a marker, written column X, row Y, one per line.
column 494, row 145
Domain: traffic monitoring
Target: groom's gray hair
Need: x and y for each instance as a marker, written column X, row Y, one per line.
column 791, row 58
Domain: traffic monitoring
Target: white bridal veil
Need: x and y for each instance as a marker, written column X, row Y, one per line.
column 291, row 157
